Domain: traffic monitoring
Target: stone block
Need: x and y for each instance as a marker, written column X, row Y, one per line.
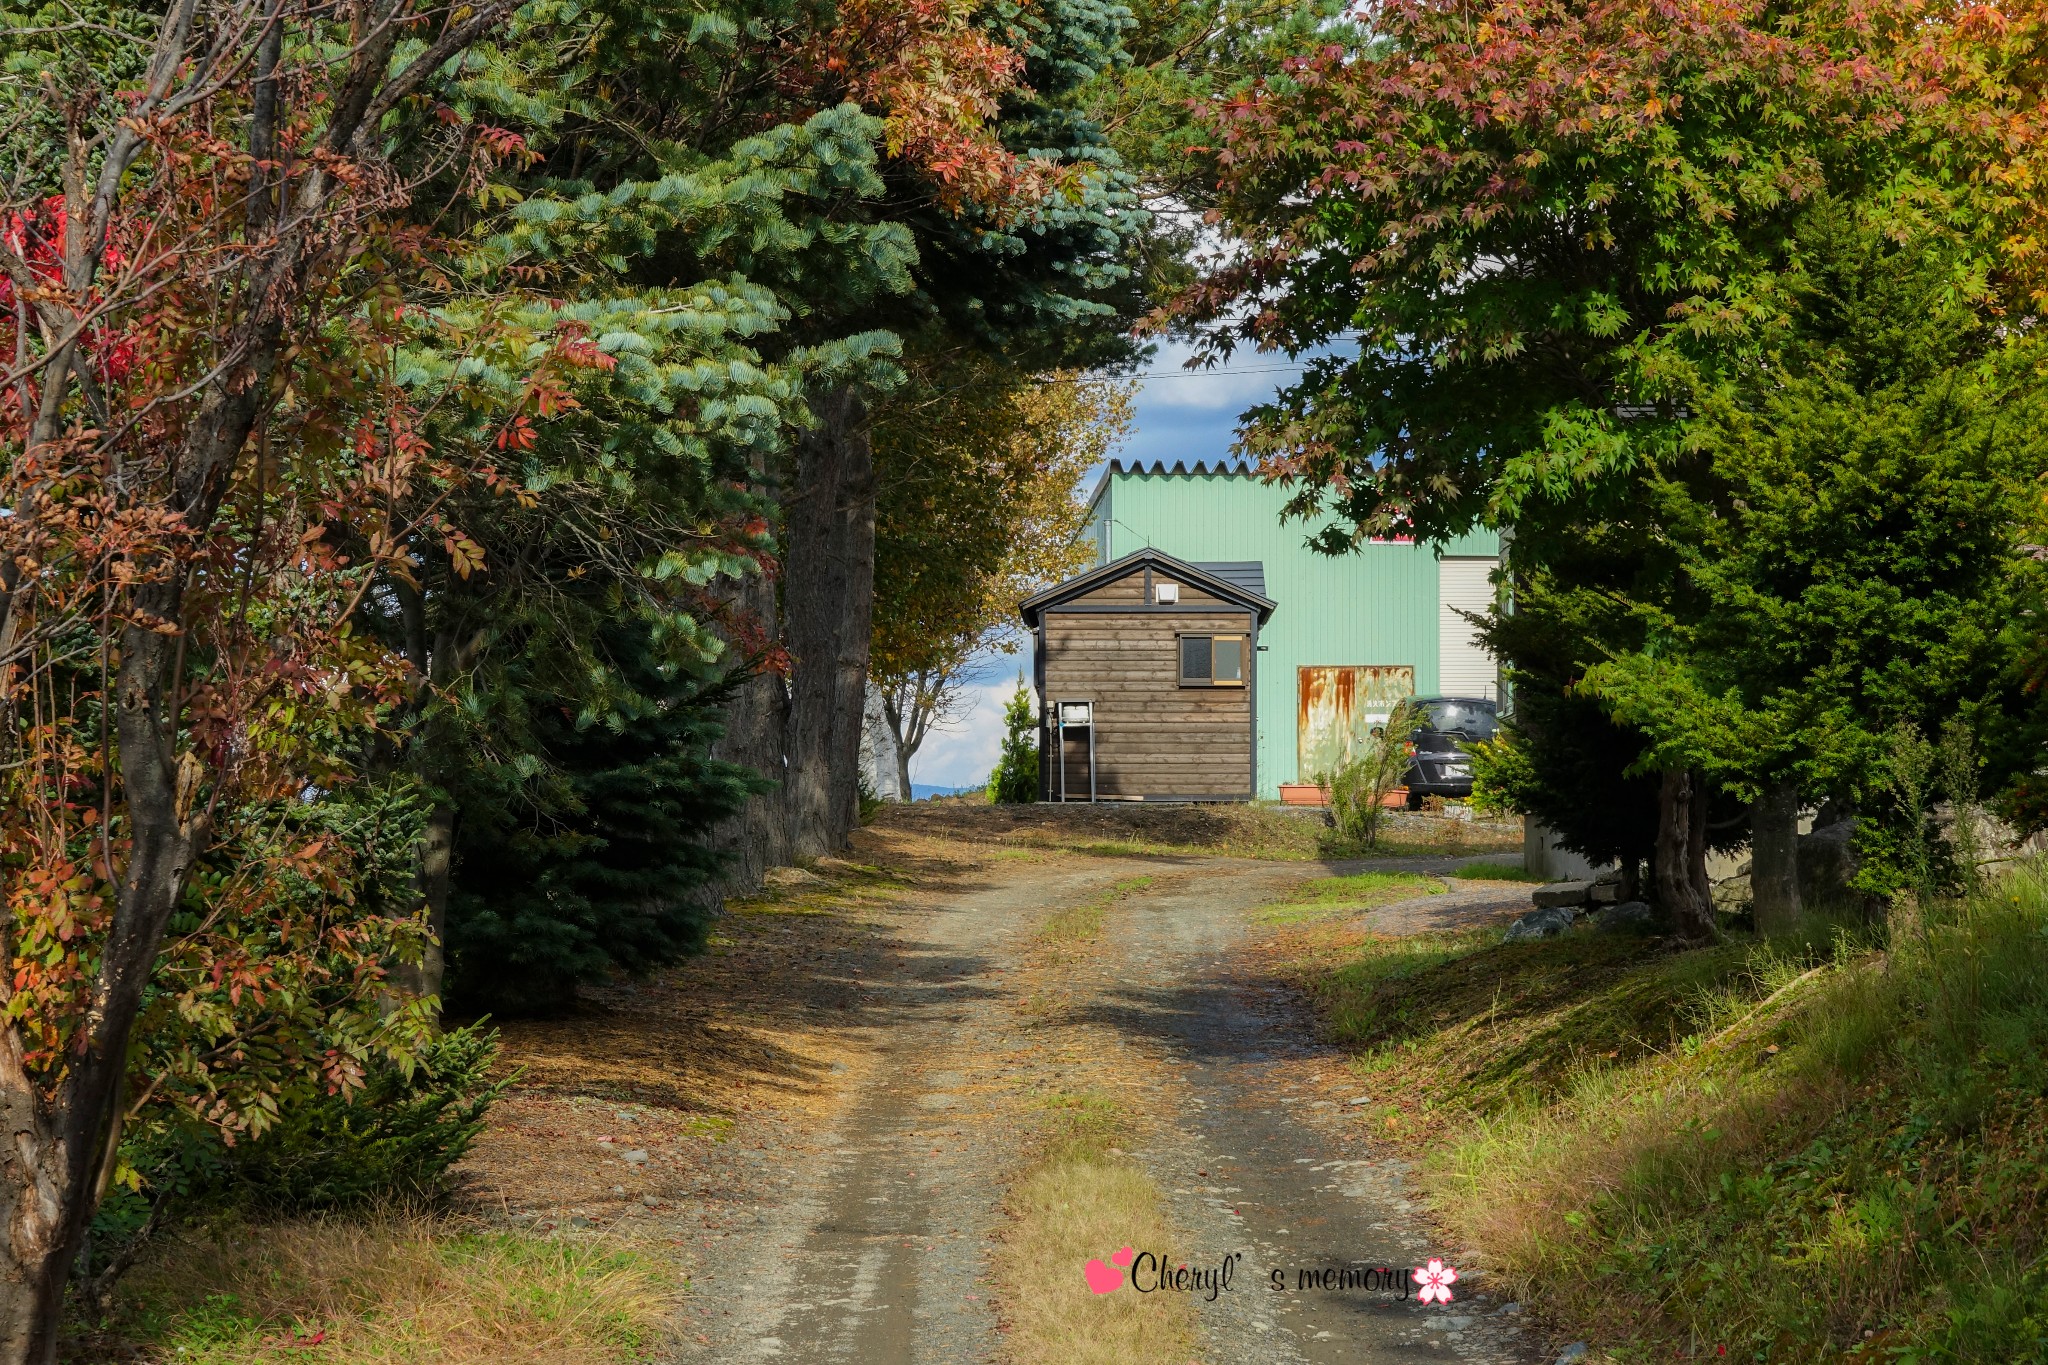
column 1548, row 922
column 1629, row 917
column 1560, row 893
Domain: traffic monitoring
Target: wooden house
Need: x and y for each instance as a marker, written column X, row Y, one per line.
column 1354, row 634
column 1148, row 678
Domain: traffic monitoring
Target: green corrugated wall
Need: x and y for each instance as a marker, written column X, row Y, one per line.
column 1375, row 606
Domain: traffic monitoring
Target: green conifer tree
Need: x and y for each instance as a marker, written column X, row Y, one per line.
column 608, row 869
column 1015, row 779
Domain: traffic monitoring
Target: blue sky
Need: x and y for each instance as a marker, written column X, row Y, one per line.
column 1181, row 415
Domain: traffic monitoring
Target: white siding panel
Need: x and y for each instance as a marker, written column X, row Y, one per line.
column 1464, row 668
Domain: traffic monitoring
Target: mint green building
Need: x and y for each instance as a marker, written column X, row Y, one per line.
column 1349, row 633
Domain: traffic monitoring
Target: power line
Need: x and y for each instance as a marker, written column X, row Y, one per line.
column 1168, row 374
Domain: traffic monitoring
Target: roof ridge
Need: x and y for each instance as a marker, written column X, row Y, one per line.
column 1028, row 608
column 1181, row 469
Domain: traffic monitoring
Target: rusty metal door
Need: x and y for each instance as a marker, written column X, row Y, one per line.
column 1338, row 706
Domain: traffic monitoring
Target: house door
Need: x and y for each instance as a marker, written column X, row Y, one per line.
column 1337, row 707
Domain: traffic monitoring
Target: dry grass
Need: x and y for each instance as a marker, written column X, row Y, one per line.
column 1131, row 829
column 1120, row 829
column 1079, row 1200
column 392, row 1289
column 1406, row 834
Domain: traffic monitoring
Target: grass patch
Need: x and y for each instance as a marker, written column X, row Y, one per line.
column 1079, row 1199
column 391, row 1289
column 1327, row 896
column 1495, row 872
column 1791, row 1152
column 1082, row 922
column 716, row 1127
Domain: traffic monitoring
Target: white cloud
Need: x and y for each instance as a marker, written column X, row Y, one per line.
column 1250, row 377
column 962, row 754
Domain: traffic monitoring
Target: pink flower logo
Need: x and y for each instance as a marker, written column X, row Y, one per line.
column 1436, row 1280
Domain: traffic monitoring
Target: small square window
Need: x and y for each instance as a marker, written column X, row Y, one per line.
column 1166, row 594
column 1212, row 660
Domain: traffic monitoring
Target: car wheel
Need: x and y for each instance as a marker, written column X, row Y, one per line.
column 1414, row 800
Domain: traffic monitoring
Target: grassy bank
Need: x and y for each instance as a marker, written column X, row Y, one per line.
column 1748, row 1151
column 1079, row 1199
column 384, row 1290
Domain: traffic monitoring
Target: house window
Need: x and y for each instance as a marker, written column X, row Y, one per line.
column 1212, row 660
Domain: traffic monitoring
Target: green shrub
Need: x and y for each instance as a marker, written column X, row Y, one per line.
column 394, row 1140
column 397, row 1139
column 1359, row 789
column 589, row 853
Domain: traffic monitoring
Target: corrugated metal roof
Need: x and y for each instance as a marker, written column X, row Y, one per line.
column 1182, row 467
column 1249, row 574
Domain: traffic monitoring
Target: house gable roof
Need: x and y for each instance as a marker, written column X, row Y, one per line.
column 1249, row 574
column 1232, row 588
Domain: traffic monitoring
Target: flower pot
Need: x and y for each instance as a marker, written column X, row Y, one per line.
column 1303, row 794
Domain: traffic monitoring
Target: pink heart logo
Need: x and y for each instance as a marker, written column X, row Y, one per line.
column 1122, row 1257
column 1103, row 1279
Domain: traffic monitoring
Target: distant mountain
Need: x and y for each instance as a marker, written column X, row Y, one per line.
column 921, row 791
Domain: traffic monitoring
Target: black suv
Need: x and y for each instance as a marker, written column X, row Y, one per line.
column 1441, row 766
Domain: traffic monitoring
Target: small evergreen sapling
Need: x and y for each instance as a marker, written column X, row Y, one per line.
column 1015, row 779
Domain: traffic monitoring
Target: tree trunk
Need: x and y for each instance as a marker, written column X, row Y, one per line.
column 37, row 1168
column 828, row 594
column 1774, row 860
column 437, row 868
column 904, row 750
column 437, row 839
column 1681, row 871
column 756, row 726
column 49, row 1165
column 906, row 728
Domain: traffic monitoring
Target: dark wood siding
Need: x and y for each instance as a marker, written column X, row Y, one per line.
column 1153, row 736
column 1128, row 591
column 1192, row 596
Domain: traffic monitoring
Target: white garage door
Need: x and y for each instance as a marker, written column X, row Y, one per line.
column 1463, row 667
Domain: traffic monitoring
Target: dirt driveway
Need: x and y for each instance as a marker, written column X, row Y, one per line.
column 846, row 1206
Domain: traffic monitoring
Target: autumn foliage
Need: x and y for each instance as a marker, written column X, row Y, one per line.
column 1608, row 190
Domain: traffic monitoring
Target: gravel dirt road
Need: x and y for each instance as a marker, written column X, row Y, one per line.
column 881, row 1254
